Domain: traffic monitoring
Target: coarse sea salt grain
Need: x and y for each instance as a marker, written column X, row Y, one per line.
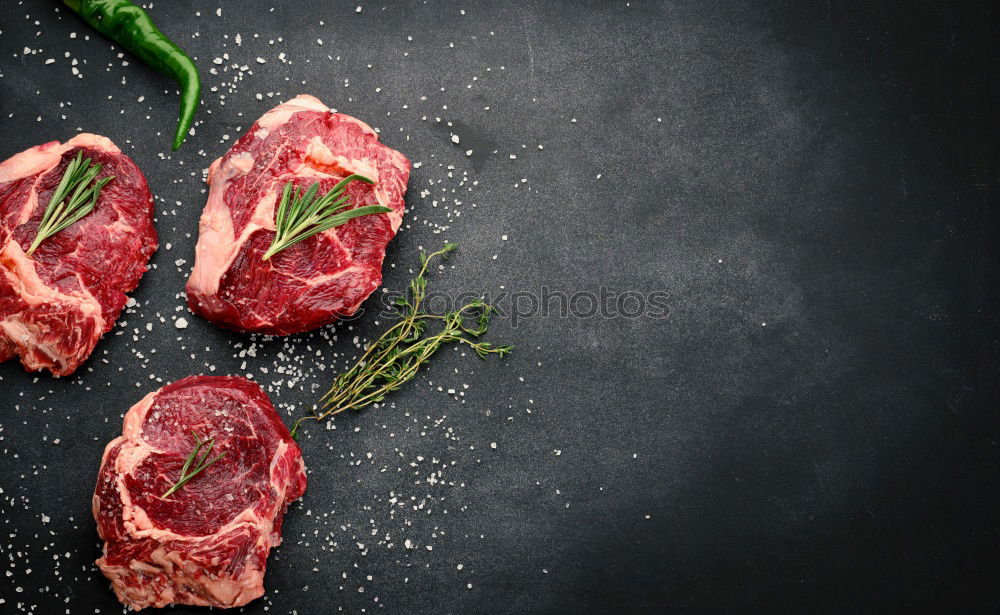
column 181, row 323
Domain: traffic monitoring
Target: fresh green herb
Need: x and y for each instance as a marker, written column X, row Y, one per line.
column 188, row 472
column 73, row 198
column 302, row 215
column 395, row 357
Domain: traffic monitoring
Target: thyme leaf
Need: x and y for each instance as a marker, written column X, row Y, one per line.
column 194, row 465
column 302, row 214
column 396, row 357
column 72, row 199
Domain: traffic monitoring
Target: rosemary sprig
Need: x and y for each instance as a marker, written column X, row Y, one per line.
column 395, row 357
column 187, row 472
column 302, row 214
column 73, row 198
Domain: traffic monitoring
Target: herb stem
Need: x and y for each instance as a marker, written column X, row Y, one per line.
column 301, row 215
column 199, row 464
column 399, row 353
column 65, row 208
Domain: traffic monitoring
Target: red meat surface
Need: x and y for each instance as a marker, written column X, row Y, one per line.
column 318, row 280
column 207, row 543
column 57, row 303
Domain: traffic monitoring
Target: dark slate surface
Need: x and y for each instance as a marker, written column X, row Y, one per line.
column 829, row 170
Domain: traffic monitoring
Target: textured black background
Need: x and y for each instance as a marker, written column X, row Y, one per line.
column 828, row 169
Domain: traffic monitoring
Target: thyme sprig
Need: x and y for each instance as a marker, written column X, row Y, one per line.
column 303, row 214
column 72, row 199
column 188, row 472
column 395, row 357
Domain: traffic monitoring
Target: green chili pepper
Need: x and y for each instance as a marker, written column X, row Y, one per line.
column 130, row 26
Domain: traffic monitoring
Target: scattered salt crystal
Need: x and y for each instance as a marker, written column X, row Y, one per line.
column 454, row 138
column 181, row 323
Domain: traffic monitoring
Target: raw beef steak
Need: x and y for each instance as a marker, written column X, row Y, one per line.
column 321, row 279
column 56, row 303
column 207, row 543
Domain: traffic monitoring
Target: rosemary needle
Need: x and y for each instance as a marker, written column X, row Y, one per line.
column 301, row 215
column 395, row 357
column 187, row 472
column 72, row 199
